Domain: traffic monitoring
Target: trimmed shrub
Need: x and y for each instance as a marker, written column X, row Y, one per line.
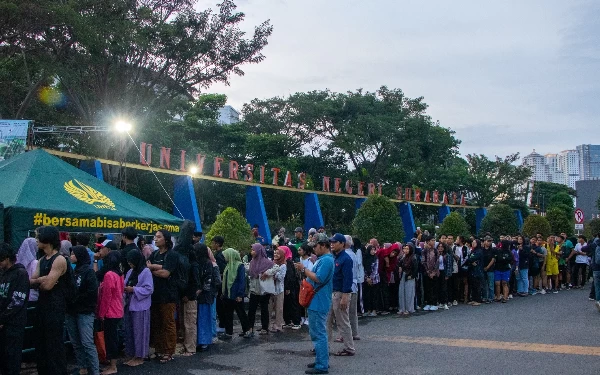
column 536, row 224
column 234, row 229
column 455, row 224
column 500, row 220
column 378, row 217
column 560, row 221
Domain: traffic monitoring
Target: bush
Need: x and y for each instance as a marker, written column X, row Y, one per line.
column 455, row 225
column 560, row 221
column 536, row 224
column 591, row 228
column 234, row 228
column 500, row 220
column 379, row 218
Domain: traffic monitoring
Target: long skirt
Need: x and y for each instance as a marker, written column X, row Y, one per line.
column 137, row 333
column 205, row 322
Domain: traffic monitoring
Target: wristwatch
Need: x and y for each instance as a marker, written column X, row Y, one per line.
column 95, row 260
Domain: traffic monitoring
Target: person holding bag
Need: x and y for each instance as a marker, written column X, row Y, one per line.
column 79, row 319
column 277, row 272
column 258, row 296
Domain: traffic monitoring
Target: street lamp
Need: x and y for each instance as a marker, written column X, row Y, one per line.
column 193, row 170
column 123, row 126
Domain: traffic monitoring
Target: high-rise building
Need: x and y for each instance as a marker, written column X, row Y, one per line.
column 568, row 165
column 228, row 115
column 589, row 161
column 537, row 164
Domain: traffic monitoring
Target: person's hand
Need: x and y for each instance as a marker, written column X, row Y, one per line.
column 344, row 301
column 128, row 289
column 298, row 266
column 238, row 299
column 287, row 292
column 148, row 264
column 198, row 292
column 97, row 256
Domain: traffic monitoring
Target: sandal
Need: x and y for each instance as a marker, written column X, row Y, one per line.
column 344, row 353
column 166, row 358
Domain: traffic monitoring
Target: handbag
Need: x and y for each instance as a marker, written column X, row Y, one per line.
column 99, row 341
column 267, row 285
column 307, row 291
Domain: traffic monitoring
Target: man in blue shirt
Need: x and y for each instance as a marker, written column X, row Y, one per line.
column 321, row 279
column 342, row 290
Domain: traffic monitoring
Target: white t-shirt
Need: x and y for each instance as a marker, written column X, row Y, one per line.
column 582, row 259
column 307, row 263
column 441, row 263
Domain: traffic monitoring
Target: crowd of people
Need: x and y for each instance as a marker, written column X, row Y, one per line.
column 145, row 297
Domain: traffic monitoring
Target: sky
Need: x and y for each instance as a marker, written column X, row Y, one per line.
column 507, row 76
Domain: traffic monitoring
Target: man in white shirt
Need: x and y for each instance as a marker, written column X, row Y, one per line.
column 581, row 263
column 354, row 297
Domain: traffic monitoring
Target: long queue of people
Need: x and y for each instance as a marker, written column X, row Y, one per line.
column 139, row 295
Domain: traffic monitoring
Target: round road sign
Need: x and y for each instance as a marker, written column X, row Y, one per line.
column 579, row 216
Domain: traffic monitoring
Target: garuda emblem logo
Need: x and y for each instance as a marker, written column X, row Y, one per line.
column 89, row 195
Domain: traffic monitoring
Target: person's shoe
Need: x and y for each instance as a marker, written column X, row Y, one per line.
column 263, row 332
column 385, row 313
column 248, row 335
column 311, row 365
column 446, row 307
column 316, row 371
column 373, row 314
column 555, row 291
column 305, row 321
column 475, row 304
column 533, row 293
column 598, row 305
column 510, row 296
column 215, row 340
column 433, row 308
column 225, row 337
column 440, row 305
column 427, row 308
column 590, row 299
column 296, row 326
column 220, row 330
column 543, row 291
column 287, row 325
column 455, row 303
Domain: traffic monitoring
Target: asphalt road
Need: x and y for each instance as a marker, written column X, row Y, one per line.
column 542, row 334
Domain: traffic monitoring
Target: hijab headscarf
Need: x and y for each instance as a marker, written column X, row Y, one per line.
column 147, row 250
column 27, row 252
column 393, row 261
column 259, row 263
column 369, row 259
column 234, row 261
column 65, row 248
column 138, row 260
column 281, row 256
column 112, row 262
column 83, row 258
column 286, row 252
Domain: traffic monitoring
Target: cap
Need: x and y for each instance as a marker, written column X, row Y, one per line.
column 319, row 238
column 109, row 244
column 298, row 229
column 338, row 237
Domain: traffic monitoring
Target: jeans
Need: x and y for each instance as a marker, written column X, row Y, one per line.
column 597, row 284
column 81, row 333
column 318, row 334
column 523, row 281
column 213, row 313
column 490, row 285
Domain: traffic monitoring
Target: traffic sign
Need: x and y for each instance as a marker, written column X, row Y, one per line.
column 579, row 216
column 578, row 226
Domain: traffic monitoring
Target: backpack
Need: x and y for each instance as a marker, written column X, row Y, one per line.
column 180, row 276
column 71, row 290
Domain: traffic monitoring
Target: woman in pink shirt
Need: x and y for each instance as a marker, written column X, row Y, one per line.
column 110, row 307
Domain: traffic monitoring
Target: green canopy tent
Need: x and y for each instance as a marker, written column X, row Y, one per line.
column 40, row 189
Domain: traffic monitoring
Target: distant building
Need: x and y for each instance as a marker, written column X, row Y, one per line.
column 568, row 165
column 588, row 192
column 589, row 161
column 537, row 164
column 228, row 115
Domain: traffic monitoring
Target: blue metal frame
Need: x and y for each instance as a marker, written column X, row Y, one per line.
column 312, row 212
column 93, row 167
column 255, row 212
column 408, row 220
column 443, row 212
column 184, row 197
column 519, row 217
column 480, row 213
column 358, row 202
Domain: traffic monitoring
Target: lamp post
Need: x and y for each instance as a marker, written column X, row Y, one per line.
column 122, row 127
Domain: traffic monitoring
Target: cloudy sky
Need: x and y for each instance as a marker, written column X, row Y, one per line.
column 507, row 76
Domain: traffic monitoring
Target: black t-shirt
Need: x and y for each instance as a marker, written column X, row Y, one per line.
column 503, row 260
column 488, row 255
column 165, row 291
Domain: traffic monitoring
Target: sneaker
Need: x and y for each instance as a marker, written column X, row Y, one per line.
column 427, row 308
column 598, row 305
column 554, row 291
column 287, row 325
column 248, row 335
column 225, row 337
column 433, row 308
column 510, row 296
column 455, row 303
column 306, row 321
column 220, row 330
column 215, row 340
column 543, row 291
column 590, row 299
column 418, row 307
column 296, row 326
column 440, row 306
column 446, row 307
column 373, row 314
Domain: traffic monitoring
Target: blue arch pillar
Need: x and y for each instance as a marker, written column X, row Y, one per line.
column 312, row 212
column 519, row 217
column 358, row 202
column 480, row 213
column 184, row 197
column 408, row 220
column 93, row 167
column 442, row 213
column 256, row 213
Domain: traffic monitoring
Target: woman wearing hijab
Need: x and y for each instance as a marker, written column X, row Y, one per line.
column 79, row 319
column 291, row 285
column 258, row 265
column 276, row 303
column 409, row 268
column 431, row 272
column 27, row 256
column 371, row 293
column 138, row 299
column 388, row 266
column 65, row 248
column 205, row 295
column 110, row 307
column 234, row 289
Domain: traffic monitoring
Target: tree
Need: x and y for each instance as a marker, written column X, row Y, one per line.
column 536, row 224
column 455, row 225
column 495, row 180
column 500, row 220
column 234, row 229
column 560, row 221
column 378, row 218
column 592, row 228
column 561, row 199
